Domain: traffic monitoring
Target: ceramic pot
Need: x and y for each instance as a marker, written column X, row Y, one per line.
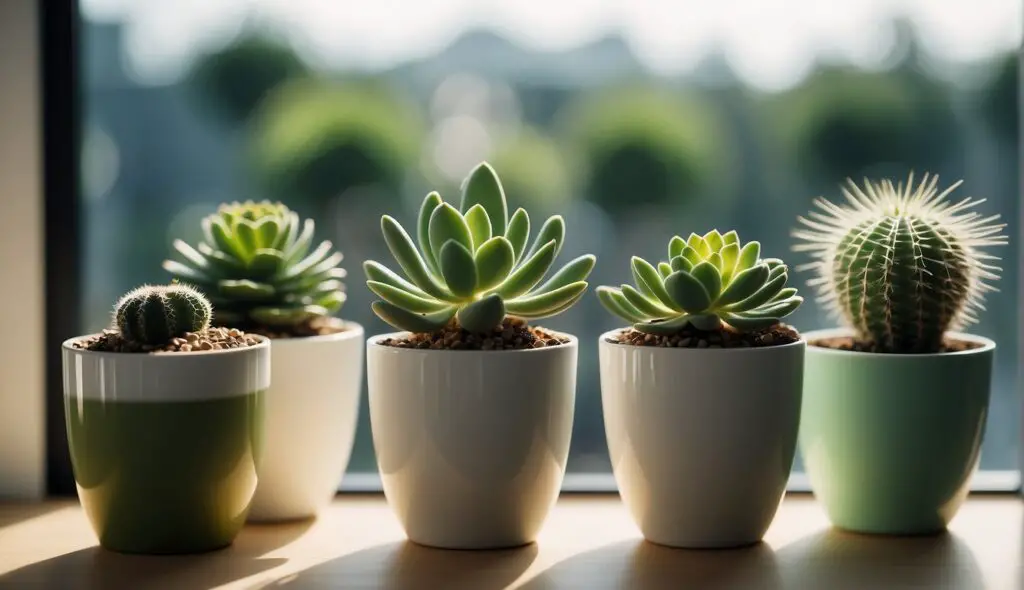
column 312, row 411
column 471, row 445
column 701, row 440
column 165, row 447
column 890, row 441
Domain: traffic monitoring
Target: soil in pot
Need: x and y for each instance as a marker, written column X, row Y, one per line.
column 209, row 339
column 318, row 326
column 848, row 343
column 513, row 334
column 724, row 337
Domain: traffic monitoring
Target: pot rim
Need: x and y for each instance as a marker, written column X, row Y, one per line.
column 603, row 340
column 987, row 345
column 373, row 342
column 353, row 331
column 264, row 343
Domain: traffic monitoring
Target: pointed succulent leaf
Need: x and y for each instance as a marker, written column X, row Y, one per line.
column 529, row 273
column 378, row 272
column 408, row 258
column 716, row 260
column 266, row 231
column 494, row 260
column 647, row 277
column 539, row 305
column 518, row 232
column 566, row 305
column 578, row 269
column 645, row 305
column 222, row 261
column 714, row 240
column 749, row 324
column 289, row 232
column 446, row 223
column 266, row 262
column 680, row 263
column 692, row 255
column 675, row 247
column 687, row 292
column 221, row 238
column 749, row 255
column 482, row 315
column 766, row 293
column 664, row 269
column 318, row 260
column 707, row 322
column 405, row 299
column 730, row 237
column 663, row 327
column 553, row 229
column 777, row 309
column 458, row 269
column 482, row 187
column 301, row 246
column 708, row 275
column 185, row 272
column 411, row 321
column 194, row 258
column 430, row 202
column 776, row 271
column 697, row 243
column 616, row 303
column 730, row 254
column 479, row 225
column 743, row 285
column 784, row 294
column 245, row 289
column 331, row 302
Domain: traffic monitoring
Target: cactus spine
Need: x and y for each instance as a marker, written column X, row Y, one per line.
column 154, row 315
column 900, row 264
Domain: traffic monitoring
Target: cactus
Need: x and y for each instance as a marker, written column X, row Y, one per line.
column 154, row 315
column 707, row 280
column 473, row 264
column 256, row 267
column 901, row 264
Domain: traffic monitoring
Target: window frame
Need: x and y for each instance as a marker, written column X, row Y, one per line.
column 60, row 27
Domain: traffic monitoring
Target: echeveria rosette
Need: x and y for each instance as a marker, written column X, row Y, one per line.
column 256, row 266
column 475, row 263
column 708, row 280
column 901, row 264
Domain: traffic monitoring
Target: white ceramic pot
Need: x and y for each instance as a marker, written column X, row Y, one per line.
column 312, row 410
column 701, row 440
column 471, row 445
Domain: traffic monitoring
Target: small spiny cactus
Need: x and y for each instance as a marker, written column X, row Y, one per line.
column 155, row 314
column 901, row 264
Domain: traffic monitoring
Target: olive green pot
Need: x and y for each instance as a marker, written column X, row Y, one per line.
column 890, row 441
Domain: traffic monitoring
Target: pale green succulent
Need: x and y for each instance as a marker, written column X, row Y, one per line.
column 473, row 264
column 707, row 281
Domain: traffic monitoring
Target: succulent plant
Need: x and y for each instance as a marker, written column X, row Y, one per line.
column 900, row 263
column 256, row 267
column 473, row 264
column 154, row 314
column 707, row 280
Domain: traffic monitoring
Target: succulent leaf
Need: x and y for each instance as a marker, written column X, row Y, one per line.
column 708, row 281
column 481, row 268
column 901, row 263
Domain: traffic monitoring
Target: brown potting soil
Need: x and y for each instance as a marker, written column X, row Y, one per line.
column 724, row 337
column 210, row 339
column 513, row 334
column 849, row 343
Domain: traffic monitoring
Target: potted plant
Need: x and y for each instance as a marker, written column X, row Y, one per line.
column 472, row 407
column 895, row 403
column 256, row 265
column 701, row 396
column 164, row 416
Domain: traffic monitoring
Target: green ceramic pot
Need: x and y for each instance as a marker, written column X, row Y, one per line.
column 890, row 441
column 165, row 447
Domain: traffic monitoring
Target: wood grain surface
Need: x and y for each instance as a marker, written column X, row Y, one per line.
column 589, row 542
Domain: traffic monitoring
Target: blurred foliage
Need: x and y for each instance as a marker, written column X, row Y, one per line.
column 533, row 170
column 1000, row 104
column 842, row 122
column 233, row 80
column 644, row 146
column 315, row 139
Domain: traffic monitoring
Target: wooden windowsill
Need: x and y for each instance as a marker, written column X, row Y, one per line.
column 589, row 542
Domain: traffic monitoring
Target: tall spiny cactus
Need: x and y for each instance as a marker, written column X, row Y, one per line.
column 901, row 264
column 155, row 314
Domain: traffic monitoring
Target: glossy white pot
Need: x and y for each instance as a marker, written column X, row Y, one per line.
column 471, row 445
column 311, row 412
column 701, row 440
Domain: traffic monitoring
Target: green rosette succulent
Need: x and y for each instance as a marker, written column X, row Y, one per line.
column 474, row 263
column 901, row 264
column 256, row 267
column 707, row 281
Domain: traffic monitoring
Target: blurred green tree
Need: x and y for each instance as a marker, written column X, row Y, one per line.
column 233, row 80
column 533, row 170
column 313, row 140
column 644, row 146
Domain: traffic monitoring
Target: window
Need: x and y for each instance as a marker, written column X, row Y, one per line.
column 634, row 120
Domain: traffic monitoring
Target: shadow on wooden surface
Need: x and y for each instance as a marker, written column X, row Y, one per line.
column 407, row 566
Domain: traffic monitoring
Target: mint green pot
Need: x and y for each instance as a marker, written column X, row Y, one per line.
column 166, row 447
column 890, row 441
